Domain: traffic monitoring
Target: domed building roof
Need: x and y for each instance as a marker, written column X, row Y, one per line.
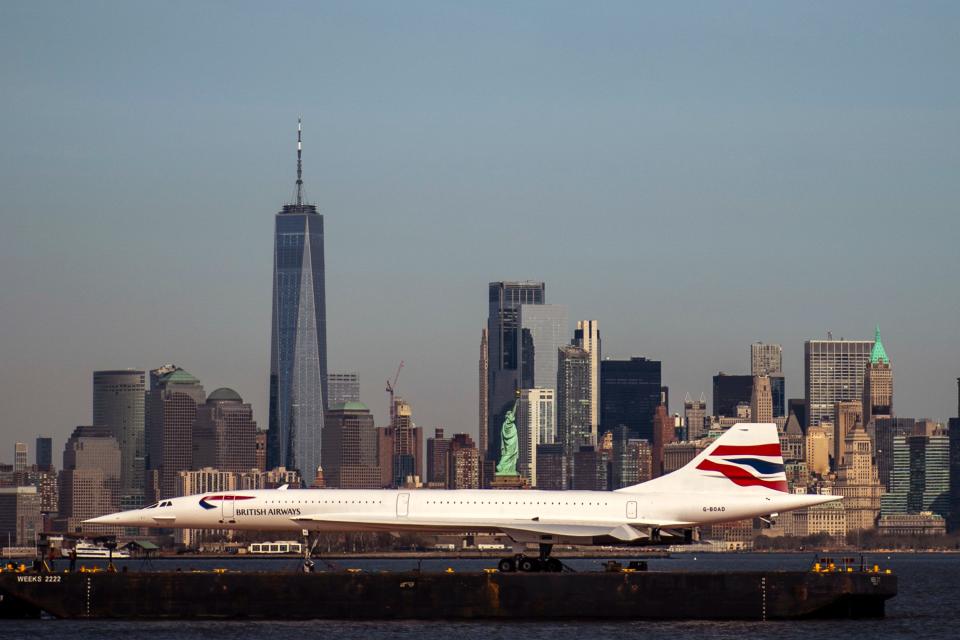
column 224, row 394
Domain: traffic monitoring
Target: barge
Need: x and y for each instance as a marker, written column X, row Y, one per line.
column 356, row 595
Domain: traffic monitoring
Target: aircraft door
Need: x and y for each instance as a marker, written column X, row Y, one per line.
column 403, row 505
column 229, row 507
column 632, row 510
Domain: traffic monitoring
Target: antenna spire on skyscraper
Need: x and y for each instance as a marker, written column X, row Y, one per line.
column 299, row 162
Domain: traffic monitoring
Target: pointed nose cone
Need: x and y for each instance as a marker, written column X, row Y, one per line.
column 123, row 518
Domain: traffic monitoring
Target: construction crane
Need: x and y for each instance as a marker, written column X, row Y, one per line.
column 391, row 388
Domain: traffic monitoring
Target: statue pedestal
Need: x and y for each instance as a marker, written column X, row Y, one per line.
column 509, row 482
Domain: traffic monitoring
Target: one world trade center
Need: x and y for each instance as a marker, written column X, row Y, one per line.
column 298, row 339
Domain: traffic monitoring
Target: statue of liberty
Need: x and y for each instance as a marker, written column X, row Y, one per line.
column 508, row 445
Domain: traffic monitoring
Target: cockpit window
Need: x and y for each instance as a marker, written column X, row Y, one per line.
column 153, row 506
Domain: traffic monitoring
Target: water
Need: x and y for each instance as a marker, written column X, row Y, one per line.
column 928, row 607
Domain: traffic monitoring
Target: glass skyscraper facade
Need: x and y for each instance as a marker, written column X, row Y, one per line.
column 503, row 351
column 544, row 328
column 118, row 404
column 298, row 341
column 629, row 395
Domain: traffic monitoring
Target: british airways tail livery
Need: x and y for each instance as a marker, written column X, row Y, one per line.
column 740, row 475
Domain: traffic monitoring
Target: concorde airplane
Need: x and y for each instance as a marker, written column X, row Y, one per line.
column 740, row 475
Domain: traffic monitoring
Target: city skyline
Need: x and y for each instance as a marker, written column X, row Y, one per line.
column 136, row 234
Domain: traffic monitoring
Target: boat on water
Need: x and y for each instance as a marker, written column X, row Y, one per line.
column 90, row 551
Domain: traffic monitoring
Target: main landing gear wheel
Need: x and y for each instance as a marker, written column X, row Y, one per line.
column 553, row 565
column 507, row 565
column 528, row 564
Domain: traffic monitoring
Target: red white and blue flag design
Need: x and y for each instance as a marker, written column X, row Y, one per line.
column 759, row 465
column 206, row 500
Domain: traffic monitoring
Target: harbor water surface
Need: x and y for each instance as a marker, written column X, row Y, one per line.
column 928, row 606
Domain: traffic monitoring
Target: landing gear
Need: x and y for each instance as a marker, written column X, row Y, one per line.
column 308, row 550
column 527, row 564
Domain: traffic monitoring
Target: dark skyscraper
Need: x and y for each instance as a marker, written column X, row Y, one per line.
column 172, row 413
column 225, row 433
column 729, row 391
column 298, row 342
column 118, row 404
column 44, row 453
column 629, row 395
column 503, row 347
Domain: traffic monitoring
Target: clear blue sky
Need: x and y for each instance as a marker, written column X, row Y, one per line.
column 697, row 176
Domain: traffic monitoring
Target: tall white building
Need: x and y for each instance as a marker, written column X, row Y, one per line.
column 765, row 359
column 587, row 337
column 761, row 400
column 536, row 424
column 833, row 372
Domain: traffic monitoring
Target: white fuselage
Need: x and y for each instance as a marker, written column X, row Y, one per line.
column 282, row 510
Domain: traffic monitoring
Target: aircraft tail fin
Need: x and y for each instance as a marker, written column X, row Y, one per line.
column 746, row 456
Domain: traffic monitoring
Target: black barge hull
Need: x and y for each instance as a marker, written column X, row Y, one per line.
column 650, row 595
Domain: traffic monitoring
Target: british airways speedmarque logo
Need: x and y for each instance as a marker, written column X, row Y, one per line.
column 205, row 500
column 749, row 466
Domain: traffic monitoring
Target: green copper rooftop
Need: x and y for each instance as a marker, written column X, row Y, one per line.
column 350, row 406
column 878, row 354
column 178, row 376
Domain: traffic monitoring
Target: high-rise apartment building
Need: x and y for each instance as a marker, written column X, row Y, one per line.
column 765, row 359
column 587, row 337
column 590, row 469
column 503, row 351
column 761, row 400
column 695, row 417
column 260, row 450
column 350, row 459
column 44, row 453
column 171, row 415
column 19, row 457
column 225, row 433
column 90, row 479
column 630, row 391
column 342, row 387
column 463, row 463
column 878, row 383
column 544, row 328
column 663, row 434
column 536, row 424
column 437, row 449
column 552, row 467
column 407, row 444
column 118, row 404
column 20, row 516
column 883, row 431
column 573, row 399
column 817, row 454
column 298, row 342
column 921, row 475
column 833, row 372
column 484, row 394
column 630, row 461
